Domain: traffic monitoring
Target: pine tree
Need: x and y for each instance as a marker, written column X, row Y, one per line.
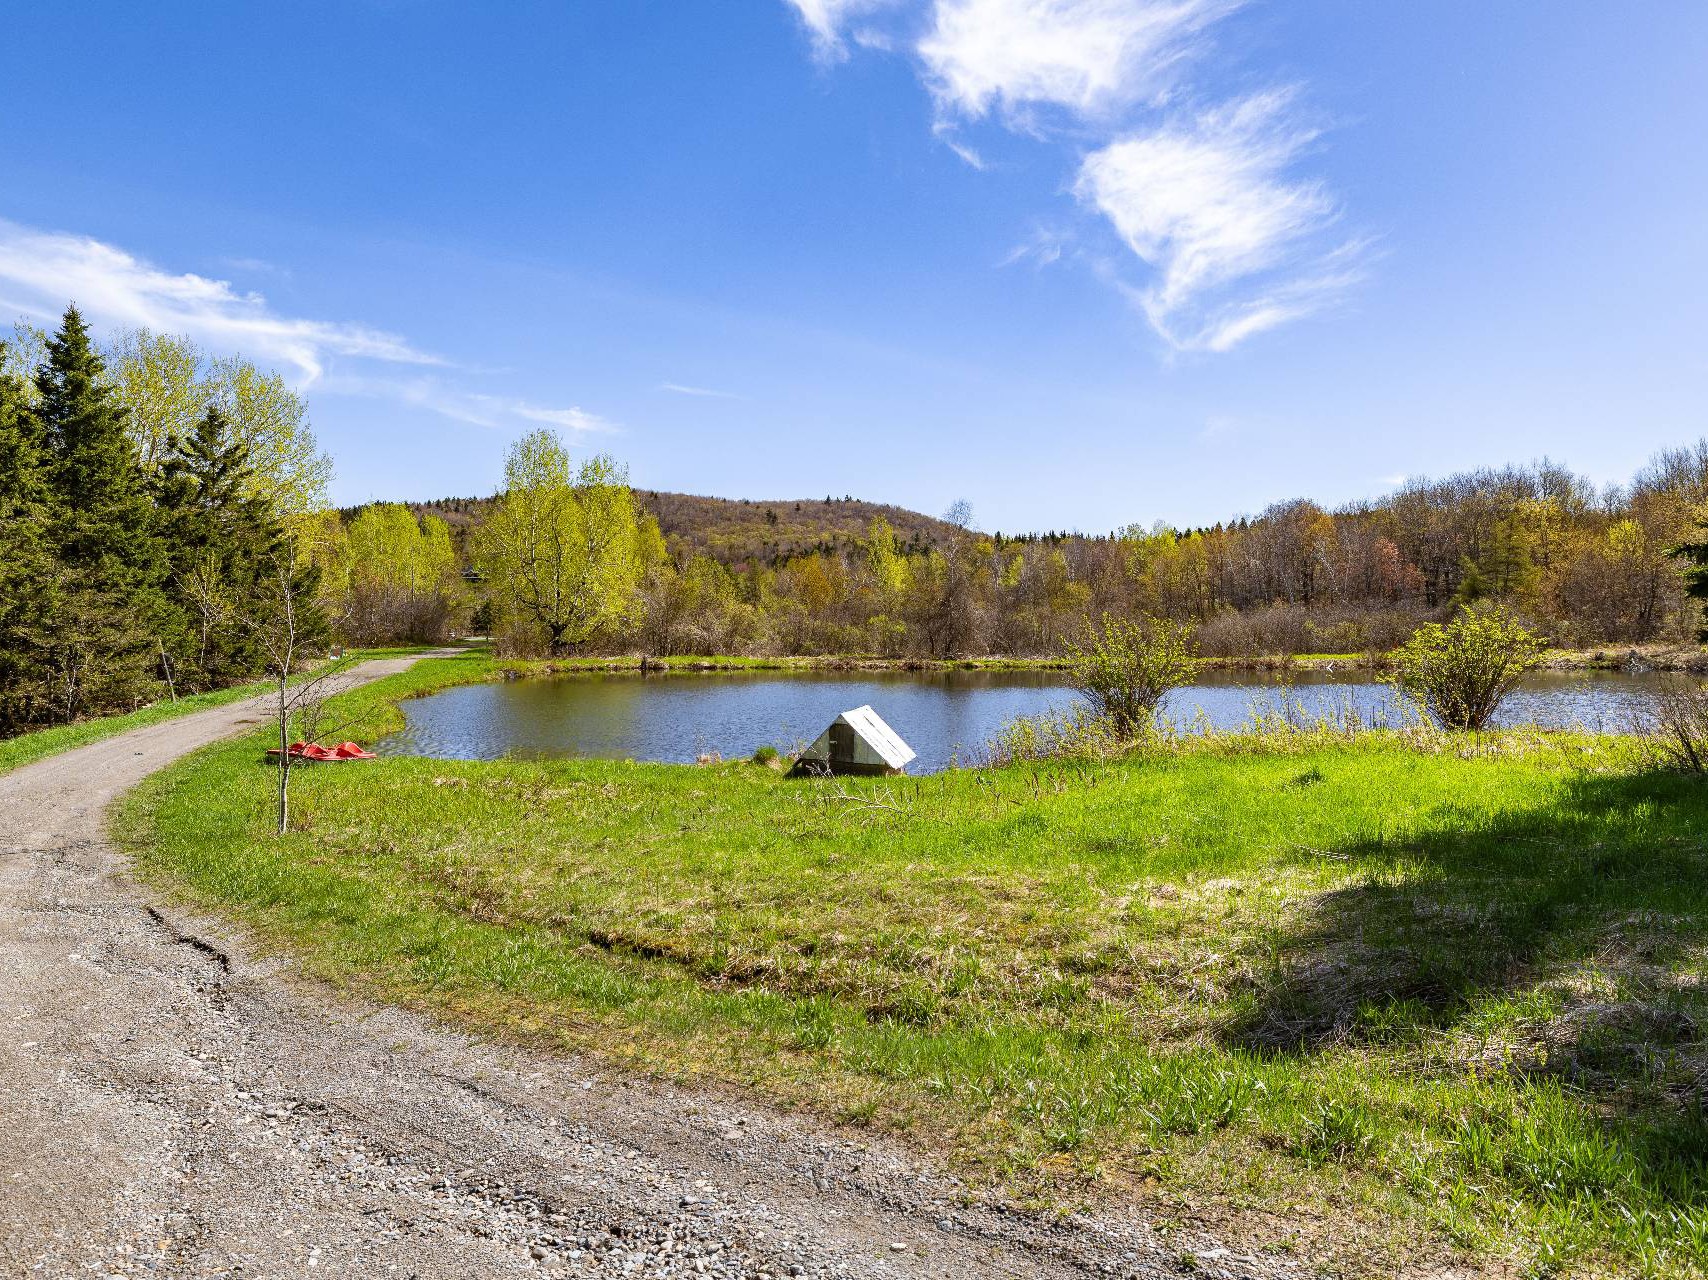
column 103, row 643
column 1694, row 553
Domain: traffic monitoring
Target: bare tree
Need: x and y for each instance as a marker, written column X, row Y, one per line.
column 203, row 588
column 290, row 630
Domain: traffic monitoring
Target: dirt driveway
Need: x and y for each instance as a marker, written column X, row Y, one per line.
column 171, row 1107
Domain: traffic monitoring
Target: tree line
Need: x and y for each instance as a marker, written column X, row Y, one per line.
column 155, row 499
column 567, row 559
column 145, row 520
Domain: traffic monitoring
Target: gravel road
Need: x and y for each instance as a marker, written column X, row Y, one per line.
column 170, row 1106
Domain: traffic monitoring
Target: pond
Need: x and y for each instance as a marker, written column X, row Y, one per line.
column 944, row 715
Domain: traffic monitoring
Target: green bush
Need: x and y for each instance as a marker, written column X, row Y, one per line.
column 1463, row 670
column 1128, row 667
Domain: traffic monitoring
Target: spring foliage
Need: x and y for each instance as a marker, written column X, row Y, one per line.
column 131, row 566
column 561, row 552
column 1127, row 667
column 1462, row 670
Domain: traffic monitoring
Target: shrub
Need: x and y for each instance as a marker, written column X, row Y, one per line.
column 1127, row 668
column 1463, row 670
column 1079, row 734
column 1674, row 714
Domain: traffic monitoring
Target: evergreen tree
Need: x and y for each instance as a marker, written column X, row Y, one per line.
column 218, row 538
column 26, row 568
column 1695, row 555
column 103, row 648
column 1473, row 582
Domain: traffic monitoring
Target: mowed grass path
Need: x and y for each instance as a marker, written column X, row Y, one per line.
column 1374, row 999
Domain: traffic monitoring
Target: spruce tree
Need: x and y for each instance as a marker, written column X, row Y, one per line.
column 26, row 569
column 1694, row 553
column 109, row 605
column 220, row 539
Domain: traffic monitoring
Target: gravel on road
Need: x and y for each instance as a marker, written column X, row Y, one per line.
column 174, row 1107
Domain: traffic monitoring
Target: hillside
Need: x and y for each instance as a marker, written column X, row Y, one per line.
column 739, row 530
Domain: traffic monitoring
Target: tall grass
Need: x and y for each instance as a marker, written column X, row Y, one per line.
column 1444, row 990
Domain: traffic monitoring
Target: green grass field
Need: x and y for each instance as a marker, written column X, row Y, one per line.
column 1369, row 998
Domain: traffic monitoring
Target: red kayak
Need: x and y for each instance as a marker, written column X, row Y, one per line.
column 314, row 751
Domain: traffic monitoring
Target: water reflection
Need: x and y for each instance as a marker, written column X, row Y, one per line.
column 944, row 716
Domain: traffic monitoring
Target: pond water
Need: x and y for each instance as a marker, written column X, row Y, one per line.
column 943, row 715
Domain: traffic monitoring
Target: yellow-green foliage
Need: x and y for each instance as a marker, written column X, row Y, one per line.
column 1463, row 669
column 562, row 551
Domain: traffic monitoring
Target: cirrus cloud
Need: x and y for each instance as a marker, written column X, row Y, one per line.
column 1089, row 56
column 1206, row 202
column 828, row 21
column 1227, row 239
column 41, row 270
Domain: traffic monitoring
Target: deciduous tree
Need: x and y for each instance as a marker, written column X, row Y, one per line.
column 559, row 551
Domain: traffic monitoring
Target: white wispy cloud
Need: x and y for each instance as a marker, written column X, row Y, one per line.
column 1089, row 56
column 1043, row 248
column 828, row 21
column 476, row 408
column 682, row 389
column 1230, row 240
column 570, row 419
column 1207, row 202
column 40, row 270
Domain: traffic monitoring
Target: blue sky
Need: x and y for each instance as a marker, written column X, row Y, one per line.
column 1080, row 262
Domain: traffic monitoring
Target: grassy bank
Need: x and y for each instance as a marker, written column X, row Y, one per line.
column 26, row 748
column 1375, row 999
column 868, row 662
column 818, row 662
column 1658, row 657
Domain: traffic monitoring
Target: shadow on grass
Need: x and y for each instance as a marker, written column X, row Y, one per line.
column 1612, row 876
column 1554, row 945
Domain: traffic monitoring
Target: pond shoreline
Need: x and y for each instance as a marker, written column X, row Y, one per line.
column 950, row 715
column 1644, row 657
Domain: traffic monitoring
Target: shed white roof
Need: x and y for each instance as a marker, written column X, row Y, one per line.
column 871, row 733
column 883, row 739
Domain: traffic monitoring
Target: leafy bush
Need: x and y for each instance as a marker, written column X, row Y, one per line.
column 1463, row 670
column 1127, row 668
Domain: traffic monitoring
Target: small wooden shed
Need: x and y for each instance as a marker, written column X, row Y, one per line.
column 857, row 741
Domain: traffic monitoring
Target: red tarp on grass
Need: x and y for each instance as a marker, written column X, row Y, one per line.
column 314, row 751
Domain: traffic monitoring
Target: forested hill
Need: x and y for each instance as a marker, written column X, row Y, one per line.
column 742, row 530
